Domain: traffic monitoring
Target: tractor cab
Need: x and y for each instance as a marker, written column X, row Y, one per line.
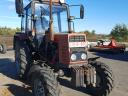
column 37, row 17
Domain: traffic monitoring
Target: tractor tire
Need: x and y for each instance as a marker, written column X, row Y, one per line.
column 23, row 58
column 104, row 79
column 44, row 83
column 3, row 48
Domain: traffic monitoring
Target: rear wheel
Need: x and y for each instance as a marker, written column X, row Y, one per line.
column 104, row 79
column 44, row 83
column 23, row 58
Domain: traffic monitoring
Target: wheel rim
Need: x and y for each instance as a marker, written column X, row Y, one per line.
column 39, row 88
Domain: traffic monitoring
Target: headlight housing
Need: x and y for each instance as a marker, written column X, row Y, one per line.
column 78, row 56
column 83, row 56
column 73, row 57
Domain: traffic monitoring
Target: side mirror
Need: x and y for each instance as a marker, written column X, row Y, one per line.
column 79, row 8
column 19, row 7
column 81, row 11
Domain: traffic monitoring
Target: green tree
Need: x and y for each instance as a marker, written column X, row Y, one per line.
column 93, row 32
column 120, row 32
column 8, row 31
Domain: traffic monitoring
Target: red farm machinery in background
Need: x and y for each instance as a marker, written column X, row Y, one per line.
column 112, row 46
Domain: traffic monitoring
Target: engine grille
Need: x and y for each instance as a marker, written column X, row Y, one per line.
column 77, row 39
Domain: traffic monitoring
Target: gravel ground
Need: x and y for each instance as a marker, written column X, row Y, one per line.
column 11, row 86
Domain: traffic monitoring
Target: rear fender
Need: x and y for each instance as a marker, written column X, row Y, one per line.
column 19, row 37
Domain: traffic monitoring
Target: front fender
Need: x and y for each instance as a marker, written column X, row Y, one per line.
column 92, row 59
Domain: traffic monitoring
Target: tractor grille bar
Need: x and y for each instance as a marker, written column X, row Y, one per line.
column 78, row 76
column 82, row 76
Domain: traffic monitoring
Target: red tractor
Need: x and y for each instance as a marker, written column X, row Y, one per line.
column 48, row 48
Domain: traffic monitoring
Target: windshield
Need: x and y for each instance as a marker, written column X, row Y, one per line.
column 42, row 13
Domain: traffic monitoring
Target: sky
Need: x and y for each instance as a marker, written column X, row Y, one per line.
column 100, row 15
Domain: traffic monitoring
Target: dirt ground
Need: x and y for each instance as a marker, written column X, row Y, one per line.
column 8, row 40
column 11, row 86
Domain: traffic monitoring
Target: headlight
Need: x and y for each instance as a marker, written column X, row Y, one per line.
column 83, row 56
column 73, row 57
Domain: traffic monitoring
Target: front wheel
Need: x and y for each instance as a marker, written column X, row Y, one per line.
column 44, row 83
column 104, row 79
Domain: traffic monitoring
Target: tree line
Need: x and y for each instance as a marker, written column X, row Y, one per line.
column 6, row 31
column 119, row 32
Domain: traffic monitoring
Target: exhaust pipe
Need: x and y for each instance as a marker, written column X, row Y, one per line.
column 51, row 34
